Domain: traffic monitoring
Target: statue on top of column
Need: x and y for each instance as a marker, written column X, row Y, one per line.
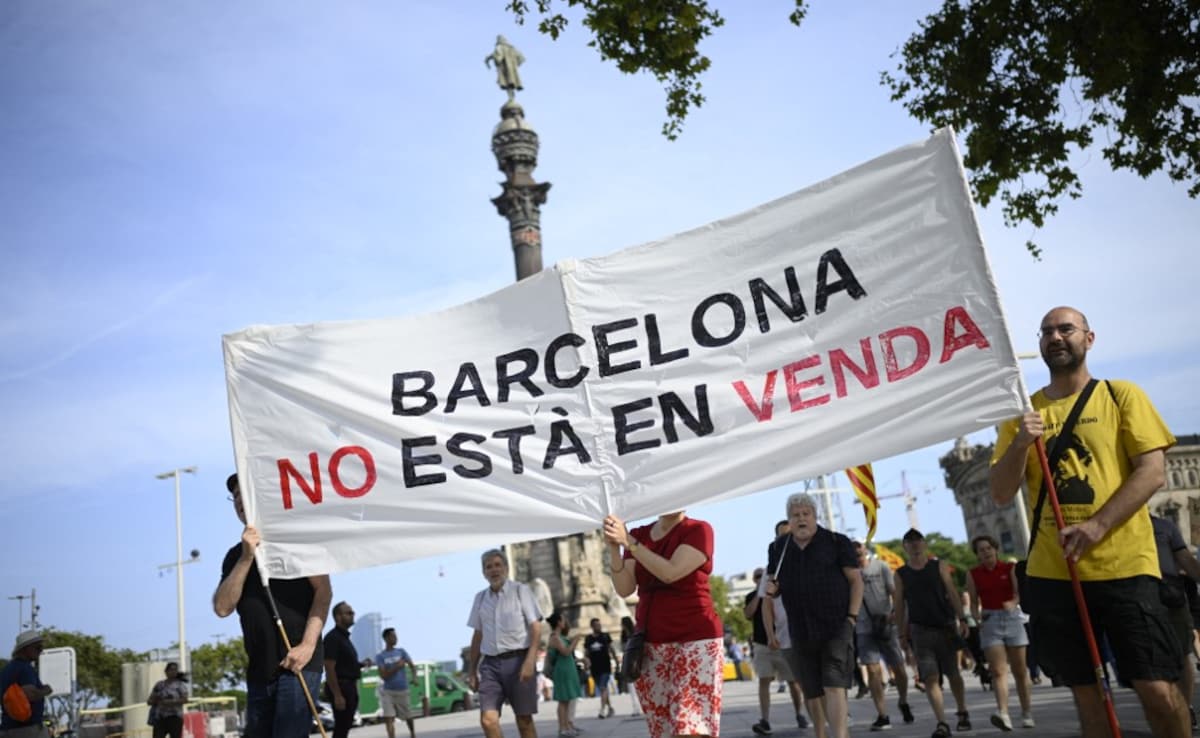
column 507, row 59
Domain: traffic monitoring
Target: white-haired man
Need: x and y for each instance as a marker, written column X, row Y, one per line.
column 816, row 573
column 508, row 631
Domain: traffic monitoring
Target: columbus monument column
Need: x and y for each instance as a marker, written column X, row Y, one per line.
column 571, row 573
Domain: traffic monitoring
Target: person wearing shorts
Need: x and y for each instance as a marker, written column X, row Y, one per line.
column 601, row 657
column 876, row 638
column 1113, row 461
column 995, row 605
column 502, row 665
column 1175, row 560
column 927, row 610
column 816, row 573
column 394, row 667
column 771, row 654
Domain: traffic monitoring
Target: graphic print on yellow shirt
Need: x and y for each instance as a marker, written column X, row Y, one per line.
column 1094, row 464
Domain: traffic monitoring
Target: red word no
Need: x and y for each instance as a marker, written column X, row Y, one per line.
column 311, row 486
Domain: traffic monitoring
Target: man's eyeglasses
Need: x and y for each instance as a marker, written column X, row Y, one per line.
column 1066, row 330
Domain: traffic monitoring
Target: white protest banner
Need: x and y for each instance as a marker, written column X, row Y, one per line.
column 851, row 321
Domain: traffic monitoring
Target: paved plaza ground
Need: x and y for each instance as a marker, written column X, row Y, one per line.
column 1053, row 709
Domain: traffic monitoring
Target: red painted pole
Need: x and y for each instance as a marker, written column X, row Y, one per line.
column 1080, row 603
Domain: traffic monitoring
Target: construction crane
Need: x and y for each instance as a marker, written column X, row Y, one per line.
column 910, row 501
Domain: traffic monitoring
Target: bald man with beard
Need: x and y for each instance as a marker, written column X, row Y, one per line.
column 1115, row 459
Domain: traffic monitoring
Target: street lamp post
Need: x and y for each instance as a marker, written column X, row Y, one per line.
column 183, row 652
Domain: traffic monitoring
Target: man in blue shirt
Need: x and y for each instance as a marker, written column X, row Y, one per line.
column 21, row 671
column 394, row 697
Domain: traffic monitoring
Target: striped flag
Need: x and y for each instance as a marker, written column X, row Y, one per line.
column 862, row 479
column 889, row 557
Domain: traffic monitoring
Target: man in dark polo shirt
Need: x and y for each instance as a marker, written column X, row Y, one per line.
column 275, row 701
column 821, row 586
column 342, row 670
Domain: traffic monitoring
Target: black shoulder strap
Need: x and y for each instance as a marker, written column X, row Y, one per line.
column 1060, row 447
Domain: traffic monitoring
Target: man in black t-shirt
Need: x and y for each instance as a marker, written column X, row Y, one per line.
column 275, row 701
column 600, row 655
column 342, row 670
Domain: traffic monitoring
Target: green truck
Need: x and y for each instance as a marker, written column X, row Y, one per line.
column 441, row 690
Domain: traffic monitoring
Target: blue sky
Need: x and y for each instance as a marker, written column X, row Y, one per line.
column 173, row 172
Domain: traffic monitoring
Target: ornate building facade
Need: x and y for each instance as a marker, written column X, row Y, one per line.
column 571, row 574
column 966, row 469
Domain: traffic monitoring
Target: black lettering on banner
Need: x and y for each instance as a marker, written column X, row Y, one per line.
column 411, row 462
column 794, row 309
column 559, row 429
column 399, row 392
column 504, row 380
column 455, row 446
column 467, row 374
column 622, row 426
column 514, row 436
column 552, row 376
column 605, row 350
column 700, row 332
column 701, row 423
column 848, row 281
column 654, row 344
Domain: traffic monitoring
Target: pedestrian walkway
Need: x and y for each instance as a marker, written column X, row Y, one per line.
column 1053, row 708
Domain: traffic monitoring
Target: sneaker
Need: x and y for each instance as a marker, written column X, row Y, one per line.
column 602, row 715
column 906, row 712
column 883, row 722
column 1002, row 721
column 762, row 727
column 801, row 721
column 611, row 711
column 862, row 692
column 942, row 731
column 1027, row 721
column 781, row 688
column 964, row 722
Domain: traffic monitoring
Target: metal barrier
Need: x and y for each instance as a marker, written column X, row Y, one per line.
column 204, row 717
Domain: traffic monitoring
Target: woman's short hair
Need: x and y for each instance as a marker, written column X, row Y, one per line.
column 985, row 537
column 554, row 618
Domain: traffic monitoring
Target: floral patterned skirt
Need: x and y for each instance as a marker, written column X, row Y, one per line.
column 680, row 688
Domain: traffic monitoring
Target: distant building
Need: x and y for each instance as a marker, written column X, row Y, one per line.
column 740, row 585
column 367, row 634
column 966, row 470
column 1179, row 499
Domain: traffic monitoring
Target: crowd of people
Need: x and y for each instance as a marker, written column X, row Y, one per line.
column 824, row 611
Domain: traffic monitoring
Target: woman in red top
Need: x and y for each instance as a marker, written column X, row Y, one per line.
column 668, row 563
column 993, row 589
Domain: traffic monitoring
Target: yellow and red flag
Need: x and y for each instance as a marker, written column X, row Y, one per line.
column 889, row 557
column 862, row 479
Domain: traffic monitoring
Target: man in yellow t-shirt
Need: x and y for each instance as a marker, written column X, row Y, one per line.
column 1113, row 462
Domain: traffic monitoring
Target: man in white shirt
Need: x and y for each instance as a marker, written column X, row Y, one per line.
column 508, row 627
column 772, row 647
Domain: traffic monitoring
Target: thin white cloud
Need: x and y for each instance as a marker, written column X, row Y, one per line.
column 156, row 303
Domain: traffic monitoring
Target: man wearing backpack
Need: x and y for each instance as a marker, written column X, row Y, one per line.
column 23, row 692
column 1105, row 466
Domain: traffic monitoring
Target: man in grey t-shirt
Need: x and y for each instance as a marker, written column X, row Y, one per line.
column 876, row 638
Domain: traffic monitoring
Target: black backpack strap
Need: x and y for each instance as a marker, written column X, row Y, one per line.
column 1060, row 447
